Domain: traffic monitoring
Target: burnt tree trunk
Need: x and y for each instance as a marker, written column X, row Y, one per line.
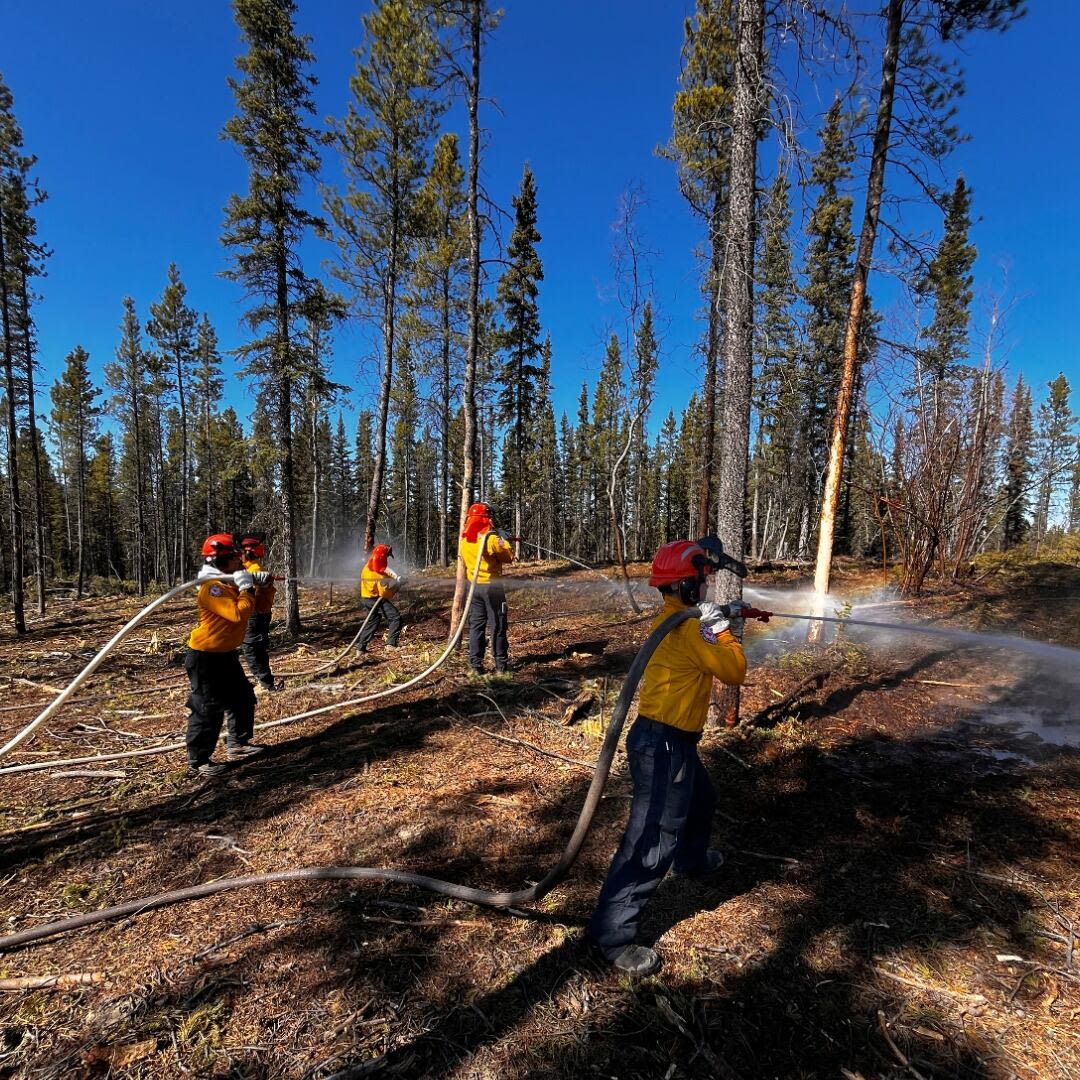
column 874, row 188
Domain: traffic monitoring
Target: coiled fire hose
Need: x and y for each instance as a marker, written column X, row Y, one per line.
column 365, row 873
column 83, row 675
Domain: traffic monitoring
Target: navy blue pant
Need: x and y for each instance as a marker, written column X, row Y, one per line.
column 488, row 608
column 386, row 613
column 257, row 647
column 218, row 687
column 670, row 822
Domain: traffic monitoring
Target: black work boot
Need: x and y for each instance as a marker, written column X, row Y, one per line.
column 637, row 960
column 713, row 861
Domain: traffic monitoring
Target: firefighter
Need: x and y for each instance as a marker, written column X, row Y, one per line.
column 379, row 582
column 488, row 607
column 257, row 639
column 673, row 802
column 218, row 683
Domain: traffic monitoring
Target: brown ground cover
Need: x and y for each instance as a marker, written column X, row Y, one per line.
column 901, row 896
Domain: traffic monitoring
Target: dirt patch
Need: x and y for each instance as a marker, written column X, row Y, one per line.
column 901, row 878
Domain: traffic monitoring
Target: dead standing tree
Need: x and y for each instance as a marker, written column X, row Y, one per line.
column 928, row 87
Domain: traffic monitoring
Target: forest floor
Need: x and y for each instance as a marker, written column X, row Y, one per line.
column 901, row 896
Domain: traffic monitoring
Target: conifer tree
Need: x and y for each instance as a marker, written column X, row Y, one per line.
column 1074, row 491
column 13, row 165
column 265, row 227
column 643, row 377
column 519, row 338
column 22, row 260
column 74, row 417
column 206, row 384
column 172, row 327
column 438, row 279
column 383, row 140
column 700, row 146
column 777, row 401
column 949, row 282
column 127, row 378
column 1054, row 440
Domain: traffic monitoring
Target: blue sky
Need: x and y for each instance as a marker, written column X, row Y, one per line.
column 123, row 103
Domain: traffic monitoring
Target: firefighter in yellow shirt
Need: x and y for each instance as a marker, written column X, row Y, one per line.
column 672, row 809
column 256, row 645
column 379, row 583
column 218, row 683
column 488, row 607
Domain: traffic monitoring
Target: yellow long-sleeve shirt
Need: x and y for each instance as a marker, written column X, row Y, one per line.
column 223, row 617
column 497, row 551
column 264, row 594
column 678, row 678
column 376, row 584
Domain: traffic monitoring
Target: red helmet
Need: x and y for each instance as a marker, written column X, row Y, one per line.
column 478, row 510
column 477, row 521
column 679, row 561
column 252, row 544
column 220, row 544
column 379, row 554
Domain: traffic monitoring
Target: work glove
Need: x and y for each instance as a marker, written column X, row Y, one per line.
column 244, row 580
column 207, row 570
column 714, row 616
column 263, row 578
column 736, row 622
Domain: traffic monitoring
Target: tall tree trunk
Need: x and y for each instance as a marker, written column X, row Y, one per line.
column 874, row 189
column 389, row 327
column 737, row 294
column 444, row 440
column 468, row 458
column 17, row 554
column 182, row 562
column 284, row 417
column 35, row 448
column 80, row 459
column 315, row 478
column 712, row 356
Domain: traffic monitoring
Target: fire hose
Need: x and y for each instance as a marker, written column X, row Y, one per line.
column 83, row 675
column 482, row 897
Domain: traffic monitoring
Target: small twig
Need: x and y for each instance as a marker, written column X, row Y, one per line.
column 734, row 757
column 940, row 682
column 762, row 855
column 538, row 749
column 254, row 928
column 496, row 704
column 899, row 1054
column 977, row 998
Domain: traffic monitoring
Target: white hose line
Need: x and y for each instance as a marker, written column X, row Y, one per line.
column 305, row 672
column 90, row 668
column 41, row 766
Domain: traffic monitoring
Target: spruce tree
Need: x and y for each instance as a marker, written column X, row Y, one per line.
column 520, row 341
column 206, row 385
column 1053, row 441
column 172, row 327
column 700, row 146
column 438, row 280
column 383, row 140
column 642, row 380
column 74, row 416
column 266, row 226
column 777, row 402
column 127, row 378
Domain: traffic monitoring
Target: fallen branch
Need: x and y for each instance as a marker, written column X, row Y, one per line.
column 53, row 982
column 899, row 1054
column 762, row 855
column 538, row 749
column 90, row 774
